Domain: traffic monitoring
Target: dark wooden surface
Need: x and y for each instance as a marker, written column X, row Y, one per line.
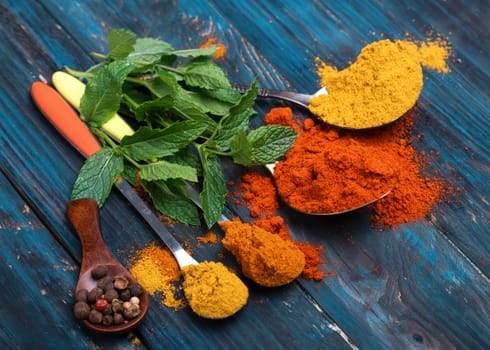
column 424, row 285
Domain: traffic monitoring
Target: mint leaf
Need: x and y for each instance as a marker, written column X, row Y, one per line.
column 97, row 176
column 268, row 143
column 147, row 143
column 229, row 95
column 103, row 93
column 208, row 104
column 121, row 42
column 204, row 74
column 188, row 109
column 153, row 108
column 213, row 192
column 164, row 84
column 241, row 149
column 247, row 100
column 163, row 170
column 149, row 50
column 170, row 198
column 230, row 126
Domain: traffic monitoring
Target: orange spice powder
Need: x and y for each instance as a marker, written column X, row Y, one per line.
column 220, row 48
column 361, row 164
column 260, row 196
column 156, row 269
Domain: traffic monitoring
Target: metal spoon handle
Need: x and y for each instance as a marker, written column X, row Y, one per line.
column 182, row 257
column 294, row 97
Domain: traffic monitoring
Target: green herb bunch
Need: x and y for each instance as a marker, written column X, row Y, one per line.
column 187, row 116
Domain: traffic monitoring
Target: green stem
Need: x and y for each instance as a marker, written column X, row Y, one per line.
column 98, row 55
column 130, row 102
column 171, row 69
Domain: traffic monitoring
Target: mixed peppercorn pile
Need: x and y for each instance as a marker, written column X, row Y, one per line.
column 113, row 301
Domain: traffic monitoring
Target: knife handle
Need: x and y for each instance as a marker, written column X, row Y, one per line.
column 64, row 118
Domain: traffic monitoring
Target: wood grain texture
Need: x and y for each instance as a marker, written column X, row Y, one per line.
column 424, row 285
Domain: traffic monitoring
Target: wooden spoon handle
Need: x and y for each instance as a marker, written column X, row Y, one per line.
column 84, row 216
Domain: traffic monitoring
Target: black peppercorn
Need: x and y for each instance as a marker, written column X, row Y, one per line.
column 107, row 320
column 118, row 318
column 107, row 310
column 125, row 295
column 81, row 310
column 95, row 317
column 81, row 295
column 136, row 290
column 99, row 271
column 94, row 294
column 111, row 294
column 105, row 283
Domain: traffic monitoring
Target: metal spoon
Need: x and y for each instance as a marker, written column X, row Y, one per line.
column 299, row 99
column 84, row 216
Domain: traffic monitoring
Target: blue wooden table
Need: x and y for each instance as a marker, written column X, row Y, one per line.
column 430, row 288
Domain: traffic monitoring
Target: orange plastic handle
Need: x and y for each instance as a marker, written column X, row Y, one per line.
column 63, row 117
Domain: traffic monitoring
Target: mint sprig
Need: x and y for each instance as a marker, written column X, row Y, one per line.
column 187, row 116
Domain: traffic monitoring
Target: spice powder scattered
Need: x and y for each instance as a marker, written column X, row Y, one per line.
column 156, row 269
column 220, row 48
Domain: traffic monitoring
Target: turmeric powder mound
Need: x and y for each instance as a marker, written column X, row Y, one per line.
column 213, row 291
column 382, row 84
column 264, row 257
column 156, row 269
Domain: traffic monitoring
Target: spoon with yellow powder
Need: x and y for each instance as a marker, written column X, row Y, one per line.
column 211, row 290
column 382, row 84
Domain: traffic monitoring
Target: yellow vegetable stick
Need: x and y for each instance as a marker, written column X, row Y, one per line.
column 72, row 90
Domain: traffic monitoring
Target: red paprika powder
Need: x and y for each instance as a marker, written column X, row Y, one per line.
column 329, row 169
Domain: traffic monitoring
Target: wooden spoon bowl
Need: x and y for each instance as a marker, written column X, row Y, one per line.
column 84, row 216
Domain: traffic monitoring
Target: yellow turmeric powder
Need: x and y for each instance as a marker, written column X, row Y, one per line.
column 382, row 84
column 156, row 269
column 264, row 257
column 213, row 291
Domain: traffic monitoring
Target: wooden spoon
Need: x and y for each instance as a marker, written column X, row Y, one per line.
column 84, row 216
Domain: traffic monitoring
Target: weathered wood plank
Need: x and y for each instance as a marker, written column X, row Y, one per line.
column 56, row 167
